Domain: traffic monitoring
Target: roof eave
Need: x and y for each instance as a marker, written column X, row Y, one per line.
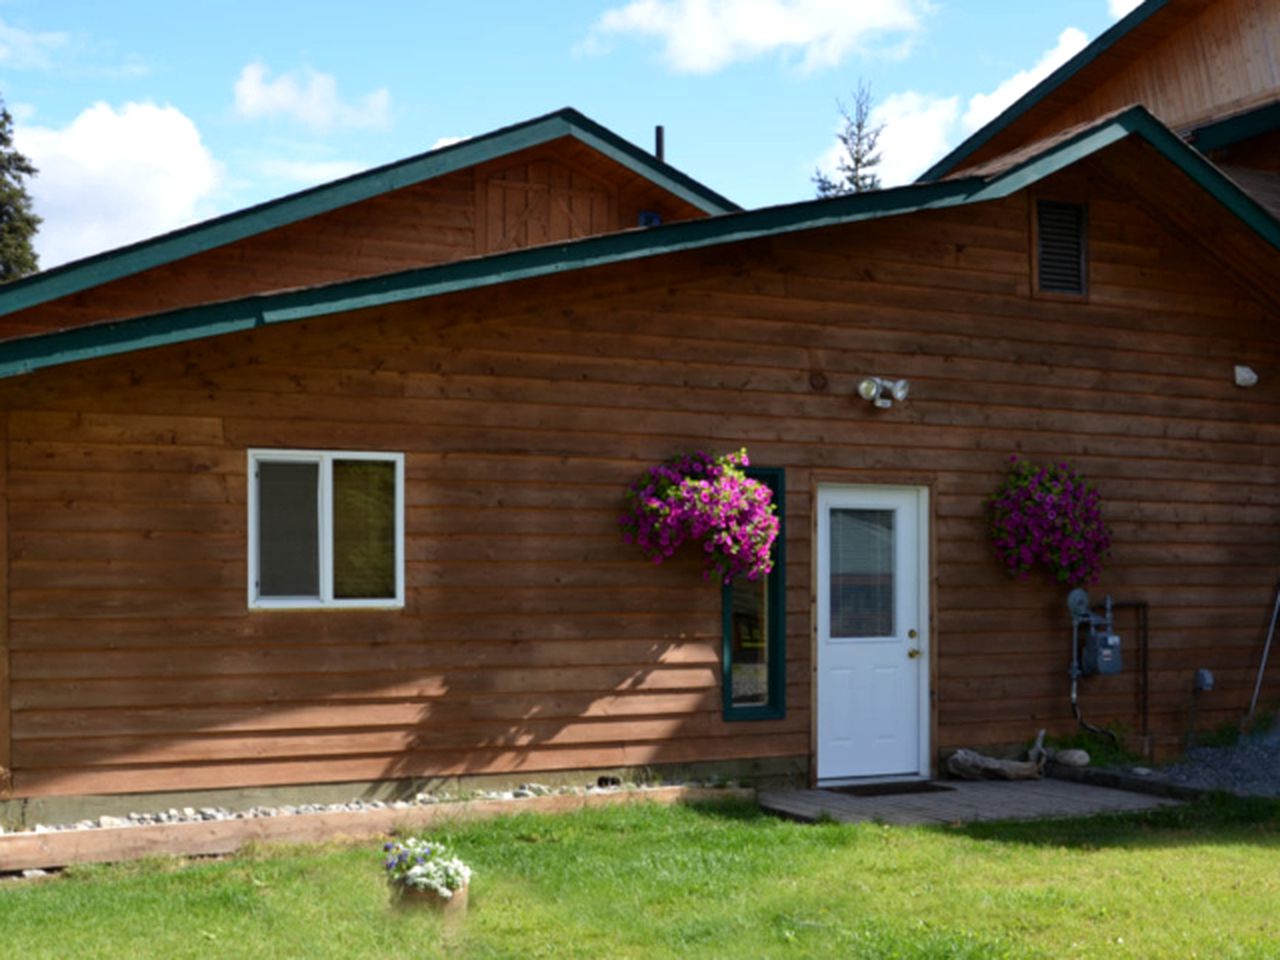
column 154, row 252
column 1036, row 94
column 84, row 343
column 27, row 354
column 1232, row 130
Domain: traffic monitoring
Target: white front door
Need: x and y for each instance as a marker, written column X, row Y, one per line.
column 873, row 627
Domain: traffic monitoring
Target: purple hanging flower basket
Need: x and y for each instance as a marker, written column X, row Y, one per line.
column 1049, row 517
column 712, row 501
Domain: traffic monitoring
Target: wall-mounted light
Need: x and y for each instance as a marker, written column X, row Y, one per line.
column 1245, row 376
column 882, row 392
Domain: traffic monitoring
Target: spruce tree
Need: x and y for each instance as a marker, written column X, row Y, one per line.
column 859, row 142
column 18, row 221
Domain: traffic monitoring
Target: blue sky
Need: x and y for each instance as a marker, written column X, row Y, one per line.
column 143, row 117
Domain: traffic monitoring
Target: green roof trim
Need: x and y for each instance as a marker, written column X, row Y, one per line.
column 1231, row 130
column 26, row 354
column 53, row 349
column 102, row 268
column 1203, row 172
column 1031, row 98
column 645, row 164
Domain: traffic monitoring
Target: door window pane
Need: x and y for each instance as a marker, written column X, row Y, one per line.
column 288, row 529
column 749, row 623
column 862, row 573
column 364, row 529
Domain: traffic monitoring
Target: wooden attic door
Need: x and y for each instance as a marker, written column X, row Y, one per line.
column 541, row 201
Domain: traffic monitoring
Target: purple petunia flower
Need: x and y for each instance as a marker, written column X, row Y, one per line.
column 697, row 498
column 1051, row 517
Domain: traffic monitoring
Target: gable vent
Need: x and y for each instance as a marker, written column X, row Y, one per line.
column 1060, row 230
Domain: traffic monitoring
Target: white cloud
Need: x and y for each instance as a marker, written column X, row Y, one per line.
column 26, row 50
column 984, row 107
column 308, row 97
column 1119, row 8
column 920, row 128
column 702, row 36
column 309, row 172
column 114, row 176
column 916, row 128
column 442, row 142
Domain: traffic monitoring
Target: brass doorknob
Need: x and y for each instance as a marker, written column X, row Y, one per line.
column 913, row 652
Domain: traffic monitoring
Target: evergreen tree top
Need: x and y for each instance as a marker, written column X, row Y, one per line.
column 859, row 150
column 18, row 220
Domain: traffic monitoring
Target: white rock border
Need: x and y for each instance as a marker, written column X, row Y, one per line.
column 214, row 831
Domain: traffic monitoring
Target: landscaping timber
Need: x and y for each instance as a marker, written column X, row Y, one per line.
column 26, row 851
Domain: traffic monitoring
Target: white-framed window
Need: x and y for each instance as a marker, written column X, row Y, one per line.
column 326, row 529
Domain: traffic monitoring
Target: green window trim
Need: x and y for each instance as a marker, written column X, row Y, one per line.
column 775, row 704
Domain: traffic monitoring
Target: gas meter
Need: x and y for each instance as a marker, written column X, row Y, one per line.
column 1095, row 649
column 1096, row 644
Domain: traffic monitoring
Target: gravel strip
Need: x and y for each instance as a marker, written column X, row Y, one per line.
column 602, row 785
column 1251, row 767
column 1248, row 768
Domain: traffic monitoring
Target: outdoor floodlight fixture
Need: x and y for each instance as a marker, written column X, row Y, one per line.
column 882, row 392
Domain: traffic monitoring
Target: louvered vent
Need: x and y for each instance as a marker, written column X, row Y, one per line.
column 1060, row 228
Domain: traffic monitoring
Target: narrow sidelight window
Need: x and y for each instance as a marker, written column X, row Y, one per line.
column 755, row 620
column 1061, row 261
column 326, row 529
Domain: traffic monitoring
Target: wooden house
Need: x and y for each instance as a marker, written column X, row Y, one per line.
column 327, row 491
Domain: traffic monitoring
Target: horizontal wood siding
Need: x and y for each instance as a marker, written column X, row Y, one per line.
column 430, row 222
column 6, row 700
column 533, row 638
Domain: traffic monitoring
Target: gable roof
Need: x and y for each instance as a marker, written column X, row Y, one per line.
column 1000, row 180
column 1127, row 28
column 134, row 258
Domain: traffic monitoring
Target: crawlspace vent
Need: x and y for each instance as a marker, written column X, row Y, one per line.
column 1060, row 229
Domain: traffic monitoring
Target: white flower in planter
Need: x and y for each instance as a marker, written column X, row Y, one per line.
column 419, row 864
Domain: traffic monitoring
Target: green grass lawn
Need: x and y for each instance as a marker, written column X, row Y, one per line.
column 711, row 881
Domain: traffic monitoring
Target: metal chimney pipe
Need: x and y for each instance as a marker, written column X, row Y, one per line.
column 659, row 146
